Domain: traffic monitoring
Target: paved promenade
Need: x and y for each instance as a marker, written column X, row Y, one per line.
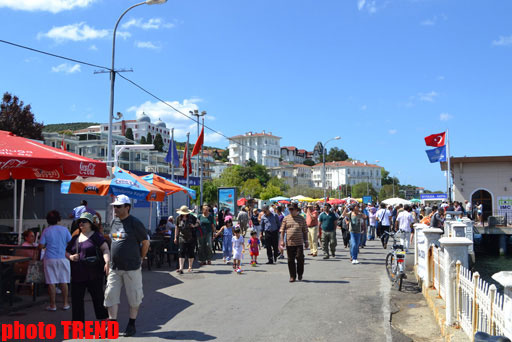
column 336, row 301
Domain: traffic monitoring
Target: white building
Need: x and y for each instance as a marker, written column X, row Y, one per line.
column 264, row 148
column 347, row 173
column 140, row 127
column 293, row 174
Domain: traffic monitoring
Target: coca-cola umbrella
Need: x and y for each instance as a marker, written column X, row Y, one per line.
column 22, row 158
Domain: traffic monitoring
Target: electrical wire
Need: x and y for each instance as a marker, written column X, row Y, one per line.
column 129, row 81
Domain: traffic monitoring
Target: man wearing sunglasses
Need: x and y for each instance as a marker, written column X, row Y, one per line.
column 129, row 247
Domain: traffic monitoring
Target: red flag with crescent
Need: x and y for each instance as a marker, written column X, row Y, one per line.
column 436, row 140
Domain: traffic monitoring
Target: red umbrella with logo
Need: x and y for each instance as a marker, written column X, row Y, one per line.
column 22, row 158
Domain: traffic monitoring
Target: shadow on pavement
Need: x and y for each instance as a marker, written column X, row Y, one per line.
column 325, row 281
column 180, row 335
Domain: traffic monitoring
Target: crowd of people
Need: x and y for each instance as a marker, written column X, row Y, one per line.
column 85, row 257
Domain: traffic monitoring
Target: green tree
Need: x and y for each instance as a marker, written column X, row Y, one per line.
column 279, row 183
column 304, row 191
column 336, row 154
column 270, row 191
column 149, row 138
column 360, row 189
column 252, row 188
column 159, row 142
column 142, row 140
column 387, row 191
column 386, row 179
column 129, row 134
column 231, row 176
column 253, row 170
column 309, row 162
column 17, row 118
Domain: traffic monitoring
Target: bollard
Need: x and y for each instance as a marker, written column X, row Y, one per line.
column 432, row 236
column 455, row 249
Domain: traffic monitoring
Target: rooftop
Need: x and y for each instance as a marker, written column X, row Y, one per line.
column 354, row 163
column 253, row 134
column 475, row 160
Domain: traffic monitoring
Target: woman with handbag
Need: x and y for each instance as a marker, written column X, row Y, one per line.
column 90, row 257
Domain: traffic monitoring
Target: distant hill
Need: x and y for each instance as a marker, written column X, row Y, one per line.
column 72, row 126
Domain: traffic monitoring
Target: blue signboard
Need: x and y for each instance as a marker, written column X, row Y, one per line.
column 367, row 199
column 433, row 196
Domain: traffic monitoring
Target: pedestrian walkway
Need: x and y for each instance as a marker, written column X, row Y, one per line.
column 336, row 301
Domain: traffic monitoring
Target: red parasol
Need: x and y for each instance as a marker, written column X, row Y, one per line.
column 283, row 202
column 241, row 201
column 22, row 158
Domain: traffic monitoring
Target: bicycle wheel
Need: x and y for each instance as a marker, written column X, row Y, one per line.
column 390, row 266
column 400, row 281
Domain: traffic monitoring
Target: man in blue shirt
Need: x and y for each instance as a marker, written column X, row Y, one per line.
column 270, row 225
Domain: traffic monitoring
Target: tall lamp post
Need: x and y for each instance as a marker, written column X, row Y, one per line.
column 199, row 159
column 113, row 75
column 323, row 172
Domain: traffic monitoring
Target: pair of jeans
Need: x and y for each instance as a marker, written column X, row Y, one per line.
column 95, row 288
column 313, row 239
column 329, row 242
column 363, row 238
column 227, row 246
column 204, row 247
column 295, row 252
column 355, row 239
column 371, row 232
column 272, row 245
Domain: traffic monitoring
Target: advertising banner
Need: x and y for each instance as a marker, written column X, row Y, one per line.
column 227, row 199
column 505, row 207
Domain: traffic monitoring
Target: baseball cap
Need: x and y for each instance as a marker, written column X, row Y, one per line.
column 121, row 199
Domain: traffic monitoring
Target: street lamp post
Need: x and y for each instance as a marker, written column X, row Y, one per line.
column 113, row 75
column 323, row 172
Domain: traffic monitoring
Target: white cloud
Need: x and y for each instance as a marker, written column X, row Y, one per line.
column 123, row 34
column 93, row 47
column 66, row 68
column 212, row 138
column 428, row 97
column 75, row 32
column 392, row 131
column 147, row 45
column 428, row 22
column 445, row 117
column 369, row 5
column 503, row 41
column 434, row 20
column 150, row 24
column 53, row 6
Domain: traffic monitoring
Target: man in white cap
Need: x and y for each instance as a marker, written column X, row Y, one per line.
column 129, row 247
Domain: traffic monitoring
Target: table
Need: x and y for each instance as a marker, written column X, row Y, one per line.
column 7, row 276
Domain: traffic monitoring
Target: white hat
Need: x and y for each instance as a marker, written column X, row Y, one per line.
column 121, row 199
column 183, row 210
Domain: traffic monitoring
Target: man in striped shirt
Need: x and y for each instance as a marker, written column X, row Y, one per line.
column 294, row 225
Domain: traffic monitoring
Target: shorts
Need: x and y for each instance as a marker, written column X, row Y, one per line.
column 255, row 253
column 57, row 271
column 132, row 280
column 187, row 250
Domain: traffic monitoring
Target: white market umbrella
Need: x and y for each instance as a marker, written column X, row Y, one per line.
column 396, row 201
column 297, row 198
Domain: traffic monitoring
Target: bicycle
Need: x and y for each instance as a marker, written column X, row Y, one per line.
column 395, row 262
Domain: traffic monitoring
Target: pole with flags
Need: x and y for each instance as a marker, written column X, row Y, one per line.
column 201, row 174
column 449, row 170
column 173, row 158
column 62, row 144
column 186, row 162
column 198, row 148
column 441, row 153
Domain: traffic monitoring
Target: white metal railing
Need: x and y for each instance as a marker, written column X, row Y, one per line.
column 479, row 306
column 438, row 270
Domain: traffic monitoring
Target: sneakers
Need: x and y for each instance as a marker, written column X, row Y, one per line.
column 326, row 257
column 354, row 262
column 130, row 331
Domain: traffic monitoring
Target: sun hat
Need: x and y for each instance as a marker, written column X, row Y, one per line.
column 228, row 218
column 183, row 210
column 121, row 199
column 89, row 217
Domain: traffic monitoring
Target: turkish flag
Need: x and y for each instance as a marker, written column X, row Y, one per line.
column 186, row 163
column 62, row 145
column 199, row 143
column 436, row 140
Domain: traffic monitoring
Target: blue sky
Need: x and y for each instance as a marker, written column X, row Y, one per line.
column 380, row 74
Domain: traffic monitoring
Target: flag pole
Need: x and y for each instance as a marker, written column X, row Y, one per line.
column 448, row 171
column 186, row 166
column 172, row 165
column 201, row 170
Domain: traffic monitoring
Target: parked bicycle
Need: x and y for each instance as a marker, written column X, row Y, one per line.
column 395, row 262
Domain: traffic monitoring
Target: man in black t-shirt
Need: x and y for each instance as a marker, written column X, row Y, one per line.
column 129, row 247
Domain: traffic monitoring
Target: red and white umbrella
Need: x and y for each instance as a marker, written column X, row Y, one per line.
column 22, row 158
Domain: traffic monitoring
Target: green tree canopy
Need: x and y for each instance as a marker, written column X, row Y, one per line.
column 129, row 133
column 336, row 154
column 251, row 188
column 149, row 138
column 386, row 179
column 360, row 189
column 387, row 192
column 254, row 170
column 270, row 191
column 143, row 140
column 279, row 183
column 159, row 142
column 17, row 118
column 309, row 162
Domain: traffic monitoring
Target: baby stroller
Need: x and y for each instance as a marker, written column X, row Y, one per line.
column 217, row 243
